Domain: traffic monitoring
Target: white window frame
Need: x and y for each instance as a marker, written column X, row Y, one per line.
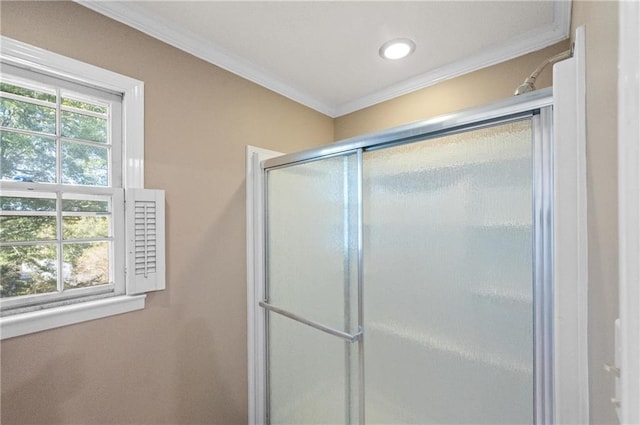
column 26, row 56
column 59, row 190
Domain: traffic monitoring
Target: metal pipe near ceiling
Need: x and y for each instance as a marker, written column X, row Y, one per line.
column 529, row 83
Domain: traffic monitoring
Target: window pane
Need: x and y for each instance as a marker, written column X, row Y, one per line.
column 82, row 164
column 85, row 127
column 27, row 228
column 84, row 205
column 85, row 227
column 14, row 203
column 27, row 158
column 86, row 264
column 26, row 270
column 22, row 91
column 27, row 116
column 78, row 104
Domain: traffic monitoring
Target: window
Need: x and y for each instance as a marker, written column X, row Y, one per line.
column 71, row 152
column 61, row 190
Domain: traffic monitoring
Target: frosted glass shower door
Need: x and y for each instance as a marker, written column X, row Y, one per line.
column 312, row 289
column 448, row 272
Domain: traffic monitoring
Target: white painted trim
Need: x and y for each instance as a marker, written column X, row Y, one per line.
column 515, row 47
column 23, row 55
column 40, row 60
column 255, row 276
column 629, row 209
column 562, row 18
column 36, row 59
column 570, row 269
column 133, row 141
column 51, row 318
column 136, row 17
column 145, row 226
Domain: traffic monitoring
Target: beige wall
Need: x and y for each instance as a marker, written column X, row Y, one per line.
column 480, row 87
column 183, row 358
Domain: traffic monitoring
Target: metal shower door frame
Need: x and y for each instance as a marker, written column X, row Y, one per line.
column 538, row 107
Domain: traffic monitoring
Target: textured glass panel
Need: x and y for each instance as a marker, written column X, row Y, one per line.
column 79, row 126
column 85, row 264
column 26, row 270
column 85, row 227
column 27, row 158
column 448, row 279
column 307, row 374
column 312, row 240
column 85, row 165
column 27, row 116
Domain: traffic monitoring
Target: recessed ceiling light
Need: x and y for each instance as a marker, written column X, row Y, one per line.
column 397, row 48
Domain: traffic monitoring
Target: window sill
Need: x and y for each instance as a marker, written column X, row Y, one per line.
column 41, row 320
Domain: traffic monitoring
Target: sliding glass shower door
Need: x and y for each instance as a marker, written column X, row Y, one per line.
column 312, row 278
column 405, row 278
column 448, row 279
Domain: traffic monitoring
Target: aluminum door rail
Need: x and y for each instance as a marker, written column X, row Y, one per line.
column 506, row 108
column 346, row 336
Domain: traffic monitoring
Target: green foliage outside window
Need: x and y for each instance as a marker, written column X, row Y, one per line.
column 32, row 269
column 28, row 152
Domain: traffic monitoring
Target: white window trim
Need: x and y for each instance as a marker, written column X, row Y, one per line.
column 36, row 59
column 50, row 318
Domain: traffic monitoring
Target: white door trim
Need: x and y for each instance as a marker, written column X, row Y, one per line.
column 629, row 209
column 570, row 268
column 256, row 349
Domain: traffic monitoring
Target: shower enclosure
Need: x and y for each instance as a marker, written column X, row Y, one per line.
column 407, row 275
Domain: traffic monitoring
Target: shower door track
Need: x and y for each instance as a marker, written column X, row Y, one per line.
column 504, row 110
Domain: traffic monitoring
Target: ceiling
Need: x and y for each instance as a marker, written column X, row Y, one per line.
column 324, row 54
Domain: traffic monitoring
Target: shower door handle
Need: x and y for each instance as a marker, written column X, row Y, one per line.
column 340, row 334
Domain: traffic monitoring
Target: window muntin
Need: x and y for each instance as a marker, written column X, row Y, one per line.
column 60, row 174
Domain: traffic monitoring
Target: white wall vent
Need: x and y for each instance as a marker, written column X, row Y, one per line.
column 145, row 240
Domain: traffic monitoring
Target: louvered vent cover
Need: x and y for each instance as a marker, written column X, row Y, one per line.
column 145, row 239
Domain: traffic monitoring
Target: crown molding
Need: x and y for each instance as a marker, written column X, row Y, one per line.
column 133, row 16
column 163, row 30
column 526, row 43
